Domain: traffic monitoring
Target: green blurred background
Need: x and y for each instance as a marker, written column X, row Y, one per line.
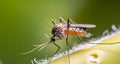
column 24, row 22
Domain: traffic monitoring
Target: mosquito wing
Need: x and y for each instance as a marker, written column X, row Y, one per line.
column 82, row 26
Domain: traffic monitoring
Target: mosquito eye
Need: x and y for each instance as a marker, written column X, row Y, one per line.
column 53, row 39
column 54, row 30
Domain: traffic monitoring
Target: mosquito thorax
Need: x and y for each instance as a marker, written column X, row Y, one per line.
column 58, row 31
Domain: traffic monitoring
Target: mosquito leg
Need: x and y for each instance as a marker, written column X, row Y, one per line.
column 80, row 39
column 55, row 52
column 68, row 50
column 62, row 20
column 53, row 21
column 69, row 46
column 57, row 46
column 68, row 25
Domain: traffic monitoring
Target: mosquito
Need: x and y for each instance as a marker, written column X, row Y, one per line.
column 61, row 31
